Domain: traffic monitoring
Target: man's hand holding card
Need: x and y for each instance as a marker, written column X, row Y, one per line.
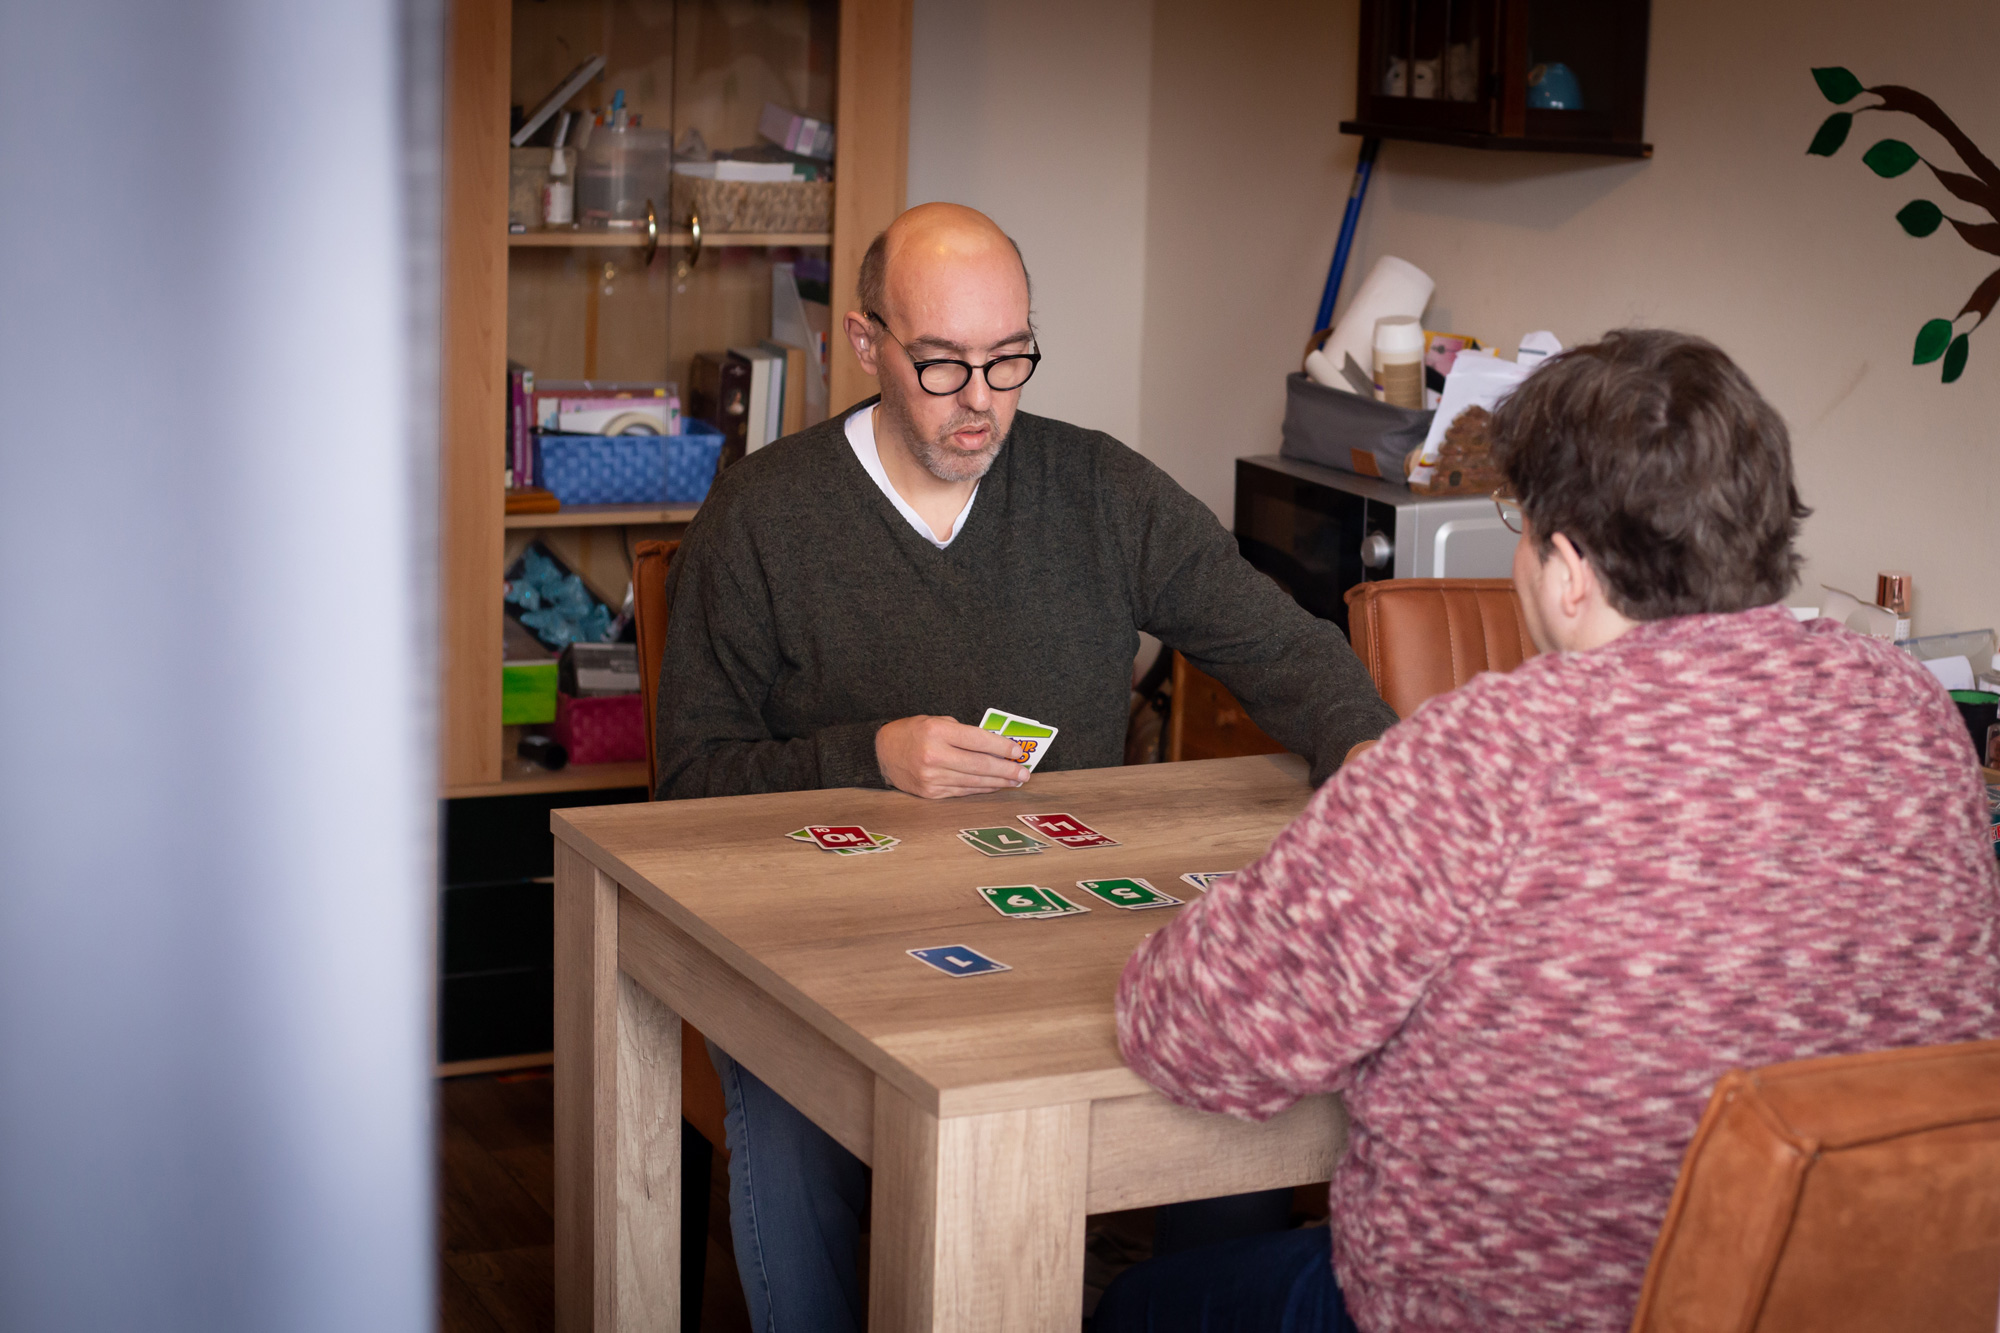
column 935, row 757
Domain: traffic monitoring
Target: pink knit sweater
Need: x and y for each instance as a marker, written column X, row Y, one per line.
column 1525, row 933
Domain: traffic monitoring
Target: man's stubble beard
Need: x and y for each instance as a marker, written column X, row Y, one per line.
column 934, row 452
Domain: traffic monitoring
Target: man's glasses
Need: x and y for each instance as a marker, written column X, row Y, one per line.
column 1510, row 509
column 943, row 378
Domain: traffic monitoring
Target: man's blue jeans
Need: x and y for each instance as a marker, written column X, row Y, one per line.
column 795, row 1204
column 1277, row 1283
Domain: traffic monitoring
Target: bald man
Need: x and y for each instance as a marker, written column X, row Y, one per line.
column 852, row 598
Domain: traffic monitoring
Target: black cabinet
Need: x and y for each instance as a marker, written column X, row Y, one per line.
column 1564, row 76
column 496, row 926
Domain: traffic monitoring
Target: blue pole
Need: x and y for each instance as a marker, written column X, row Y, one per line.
column 1355, row 194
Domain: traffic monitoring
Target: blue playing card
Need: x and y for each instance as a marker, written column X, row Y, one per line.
column 955, row 960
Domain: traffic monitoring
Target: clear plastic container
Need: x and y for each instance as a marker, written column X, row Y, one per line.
column 620, row 171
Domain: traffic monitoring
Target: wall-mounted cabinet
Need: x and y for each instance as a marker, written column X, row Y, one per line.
column 1560, row 76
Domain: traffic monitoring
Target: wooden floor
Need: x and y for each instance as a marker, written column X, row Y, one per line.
column 497, row 1240
column 496, row 1193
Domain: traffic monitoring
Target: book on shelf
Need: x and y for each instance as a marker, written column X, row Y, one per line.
column 719, row 393
column 791, row 405
column 767, row 394
column 520, row 458
column 585, row 407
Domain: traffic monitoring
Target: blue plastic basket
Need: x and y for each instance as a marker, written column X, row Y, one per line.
column 692, row 457
column 630, row 469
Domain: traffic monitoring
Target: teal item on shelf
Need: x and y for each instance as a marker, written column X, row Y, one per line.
column 1553, row 87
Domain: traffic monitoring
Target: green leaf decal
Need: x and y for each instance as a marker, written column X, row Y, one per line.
column 1920, row 217
column 1832, row 134
column 1932, row 339
column 1891, row 157
column 1954, row 360
column 1838, row 85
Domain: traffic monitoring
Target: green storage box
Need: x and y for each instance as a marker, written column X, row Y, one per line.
column 527, row 693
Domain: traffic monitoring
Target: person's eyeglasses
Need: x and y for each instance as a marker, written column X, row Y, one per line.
column 942, row 378
column 1510, row 509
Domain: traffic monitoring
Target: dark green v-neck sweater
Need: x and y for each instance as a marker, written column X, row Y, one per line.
column 807, row 612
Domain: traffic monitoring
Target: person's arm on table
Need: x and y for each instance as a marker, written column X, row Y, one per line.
column 1278, row 982
column 1293, row 672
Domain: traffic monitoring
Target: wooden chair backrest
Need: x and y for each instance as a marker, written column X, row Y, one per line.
column 1420, row 637
column 651, row 561
column 701, row 1090
column 1851, row 1192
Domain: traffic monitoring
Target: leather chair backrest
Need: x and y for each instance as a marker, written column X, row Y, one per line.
column 1420, row 637
column 1854, row 1192
column 650, row 562
column 701, row 1090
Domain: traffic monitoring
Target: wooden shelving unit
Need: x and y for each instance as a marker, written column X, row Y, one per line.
column 604, row 516
column 632, row 240
column 511, row 293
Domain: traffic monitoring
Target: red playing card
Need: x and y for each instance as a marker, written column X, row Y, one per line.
column 1057, row 826
column 1082, row 840
column 1068, row 830
column 833, row 837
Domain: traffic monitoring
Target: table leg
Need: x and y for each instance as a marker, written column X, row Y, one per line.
column 617, row 1123
column 978, row 1220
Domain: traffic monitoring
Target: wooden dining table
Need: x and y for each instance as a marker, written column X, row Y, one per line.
column 994, row 1109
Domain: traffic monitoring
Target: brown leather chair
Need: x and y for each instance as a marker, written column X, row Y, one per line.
column 1420, row 637
column 701, row 1090
column 1858, row 1192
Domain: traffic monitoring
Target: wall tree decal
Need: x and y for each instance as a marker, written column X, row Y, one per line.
column 1920, row 217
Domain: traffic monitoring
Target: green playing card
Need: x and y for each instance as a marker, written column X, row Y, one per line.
column 1064, row 906
column 1014, row 728
column 1002, row 841
column 1130, row 893
column 1033, row 737
column 1019, row 900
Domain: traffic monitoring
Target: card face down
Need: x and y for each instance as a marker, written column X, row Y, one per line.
column 1033, row 737
column 1133, row 894
column 955, row 960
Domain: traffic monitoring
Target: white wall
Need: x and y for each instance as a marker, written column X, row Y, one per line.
column 1792, row 263
column 1036, row 113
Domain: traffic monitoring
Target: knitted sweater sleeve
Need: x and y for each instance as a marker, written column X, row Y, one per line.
column 720, row 658
column 1279, row 982
column 1293, row 673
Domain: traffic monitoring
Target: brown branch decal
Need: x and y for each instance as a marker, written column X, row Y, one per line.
column 1978, row 185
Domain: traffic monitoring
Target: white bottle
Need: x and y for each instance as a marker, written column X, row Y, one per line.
column 1399, row 361
column 558, row 196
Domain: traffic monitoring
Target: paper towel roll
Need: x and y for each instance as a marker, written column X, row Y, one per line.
column 1393, row 287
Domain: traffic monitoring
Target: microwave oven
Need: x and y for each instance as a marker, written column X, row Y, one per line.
column 1319, row 531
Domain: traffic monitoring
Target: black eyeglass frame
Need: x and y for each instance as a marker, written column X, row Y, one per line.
column 1033, row 358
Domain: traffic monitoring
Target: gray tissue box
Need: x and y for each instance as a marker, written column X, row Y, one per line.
column 588, row 670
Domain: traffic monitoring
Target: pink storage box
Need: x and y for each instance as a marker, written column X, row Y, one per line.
column 610, row 729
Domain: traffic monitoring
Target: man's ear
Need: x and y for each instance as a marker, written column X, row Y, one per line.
column 1579, row 580
column 861, row 338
